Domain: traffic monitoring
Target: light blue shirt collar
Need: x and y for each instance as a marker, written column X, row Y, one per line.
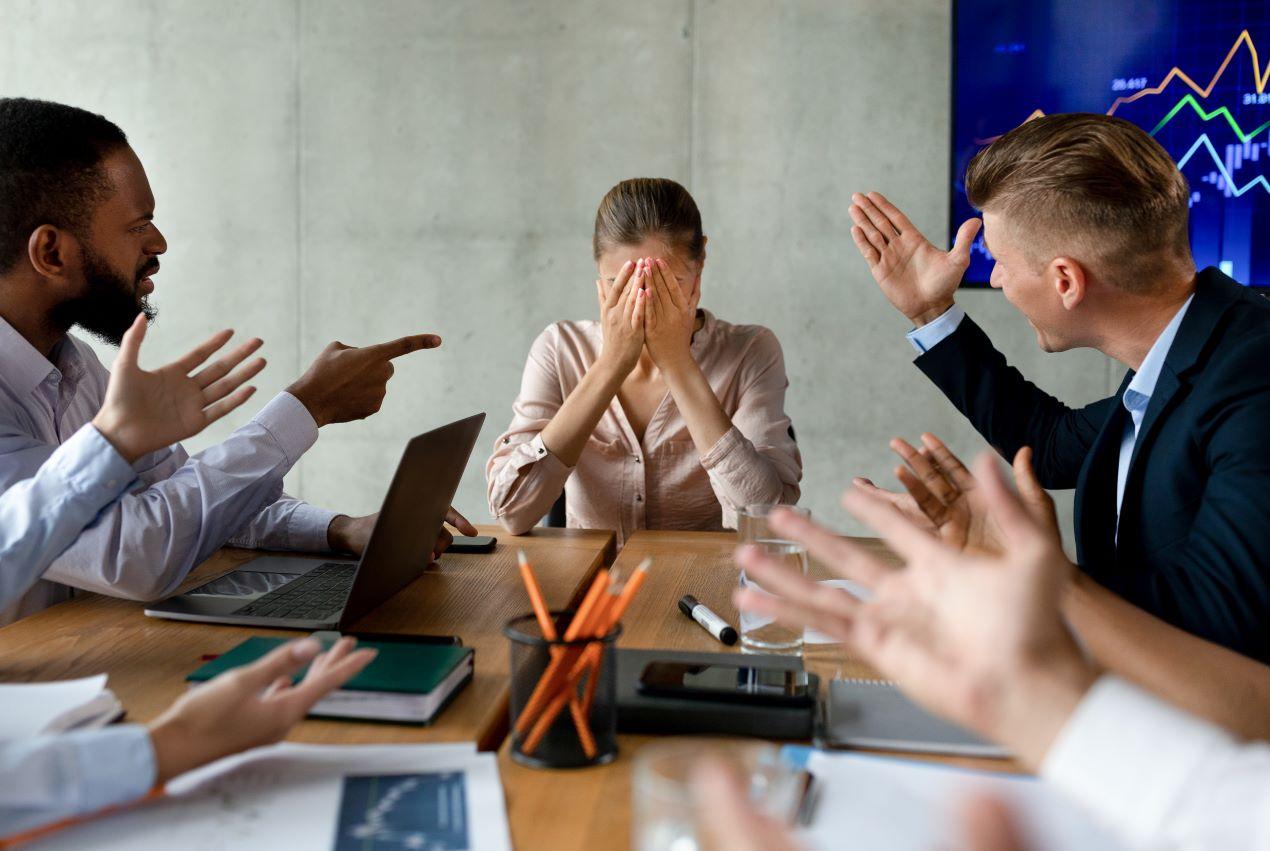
column 1138, row 394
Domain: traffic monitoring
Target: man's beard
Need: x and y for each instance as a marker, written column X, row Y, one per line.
column 110, row 302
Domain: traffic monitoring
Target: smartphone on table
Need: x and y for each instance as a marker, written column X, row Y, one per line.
column 740, row 683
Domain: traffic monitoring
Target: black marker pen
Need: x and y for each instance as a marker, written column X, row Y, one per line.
column 709, row 621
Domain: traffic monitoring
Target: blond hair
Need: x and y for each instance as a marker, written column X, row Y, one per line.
column 1089, row 182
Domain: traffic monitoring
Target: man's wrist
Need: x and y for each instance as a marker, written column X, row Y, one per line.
column 336, row 540
column 319, row 415
column 112, row 433
column 930, row 314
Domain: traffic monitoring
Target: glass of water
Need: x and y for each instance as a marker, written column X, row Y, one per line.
column 760, row 634
column 664, row 814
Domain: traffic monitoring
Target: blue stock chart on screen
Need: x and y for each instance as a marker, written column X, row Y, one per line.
column 1195, row 74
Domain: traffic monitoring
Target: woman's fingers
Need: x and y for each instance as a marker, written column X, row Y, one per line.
column 633, row 290
column 668, row 284
column 618, row 286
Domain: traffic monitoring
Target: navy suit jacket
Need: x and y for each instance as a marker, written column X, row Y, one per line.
column 1194, row 541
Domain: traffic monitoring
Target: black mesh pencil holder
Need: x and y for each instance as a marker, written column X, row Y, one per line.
column 563, row 695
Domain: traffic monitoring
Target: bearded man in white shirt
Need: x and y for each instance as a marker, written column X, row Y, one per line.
column 78, row 248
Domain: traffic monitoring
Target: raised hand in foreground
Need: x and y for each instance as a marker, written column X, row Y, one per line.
column 976, row 638
column 144, row 411
column 250, row 706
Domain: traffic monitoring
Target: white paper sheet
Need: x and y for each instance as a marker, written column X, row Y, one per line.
column 30, row 707
column 869, row 802
column 288, row 796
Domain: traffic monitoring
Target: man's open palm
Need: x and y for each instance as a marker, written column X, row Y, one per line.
column 915, row 276
column 146, row 410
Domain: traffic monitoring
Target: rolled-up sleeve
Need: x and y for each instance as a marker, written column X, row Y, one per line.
column 757, row 462
column 523, row 478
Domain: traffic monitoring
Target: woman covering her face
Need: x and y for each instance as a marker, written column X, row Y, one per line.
column 658, row 415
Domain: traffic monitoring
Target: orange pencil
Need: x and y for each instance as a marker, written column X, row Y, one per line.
column 549, row 632
column 590, row 658
column 542, row 692
column 535, row 597
column 563, row 687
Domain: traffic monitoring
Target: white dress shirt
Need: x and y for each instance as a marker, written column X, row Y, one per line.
column 1136, row 396
column 41, row 516
column 181, row 510
column 50, row 778
column 1159, row 777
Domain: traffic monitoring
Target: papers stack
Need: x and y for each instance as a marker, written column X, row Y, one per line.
column 316, row 796
column 34, row 709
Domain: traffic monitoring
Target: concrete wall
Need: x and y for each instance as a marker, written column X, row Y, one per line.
column 355, row 171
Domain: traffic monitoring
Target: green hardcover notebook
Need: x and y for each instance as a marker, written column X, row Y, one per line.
column 406, row 682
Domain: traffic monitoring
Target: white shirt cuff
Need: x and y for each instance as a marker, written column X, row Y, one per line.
column 1128, row 757
column 290, row 423
column 307, row 528
column 89, row 464
column 932, row 333
column 116, row 764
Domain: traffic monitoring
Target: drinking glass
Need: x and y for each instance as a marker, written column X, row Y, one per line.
column 664, row 815
column 760, row 634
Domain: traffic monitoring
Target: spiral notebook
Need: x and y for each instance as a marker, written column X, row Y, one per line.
column 875, row 714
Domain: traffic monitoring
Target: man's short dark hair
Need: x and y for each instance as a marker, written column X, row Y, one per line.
column 50, row 170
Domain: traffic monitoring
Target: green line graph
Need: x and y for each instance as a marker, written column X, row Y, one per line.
column 1222, row 111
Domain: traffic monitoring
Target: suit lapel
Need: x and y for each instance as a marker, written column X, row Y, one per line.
column 1095, row 506
column 1214, row 294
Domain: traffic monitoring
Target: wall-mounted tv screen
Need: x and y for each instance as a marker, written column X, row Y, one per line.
column 1195, row 74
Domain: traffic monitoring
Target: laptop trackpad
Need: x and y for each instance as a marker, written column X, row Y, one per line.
column 243, row 583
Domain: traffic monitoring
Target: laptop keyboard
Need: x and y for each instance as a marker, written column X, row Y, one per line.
column 316, row 595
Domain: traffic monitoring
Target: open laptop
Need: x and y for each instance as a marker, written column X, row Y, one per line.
column 295, row 593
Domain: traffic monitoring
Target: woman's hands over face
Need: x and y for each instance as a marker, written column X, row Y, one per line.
column 671, row 314
column 622, row 310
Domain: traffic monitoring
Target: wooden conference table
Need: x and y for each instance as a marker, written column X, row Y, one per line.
column 468, row 595
column 591, row 807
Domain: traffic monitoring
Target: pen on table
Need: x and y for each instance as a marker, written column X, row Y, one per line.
column 708, row 620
